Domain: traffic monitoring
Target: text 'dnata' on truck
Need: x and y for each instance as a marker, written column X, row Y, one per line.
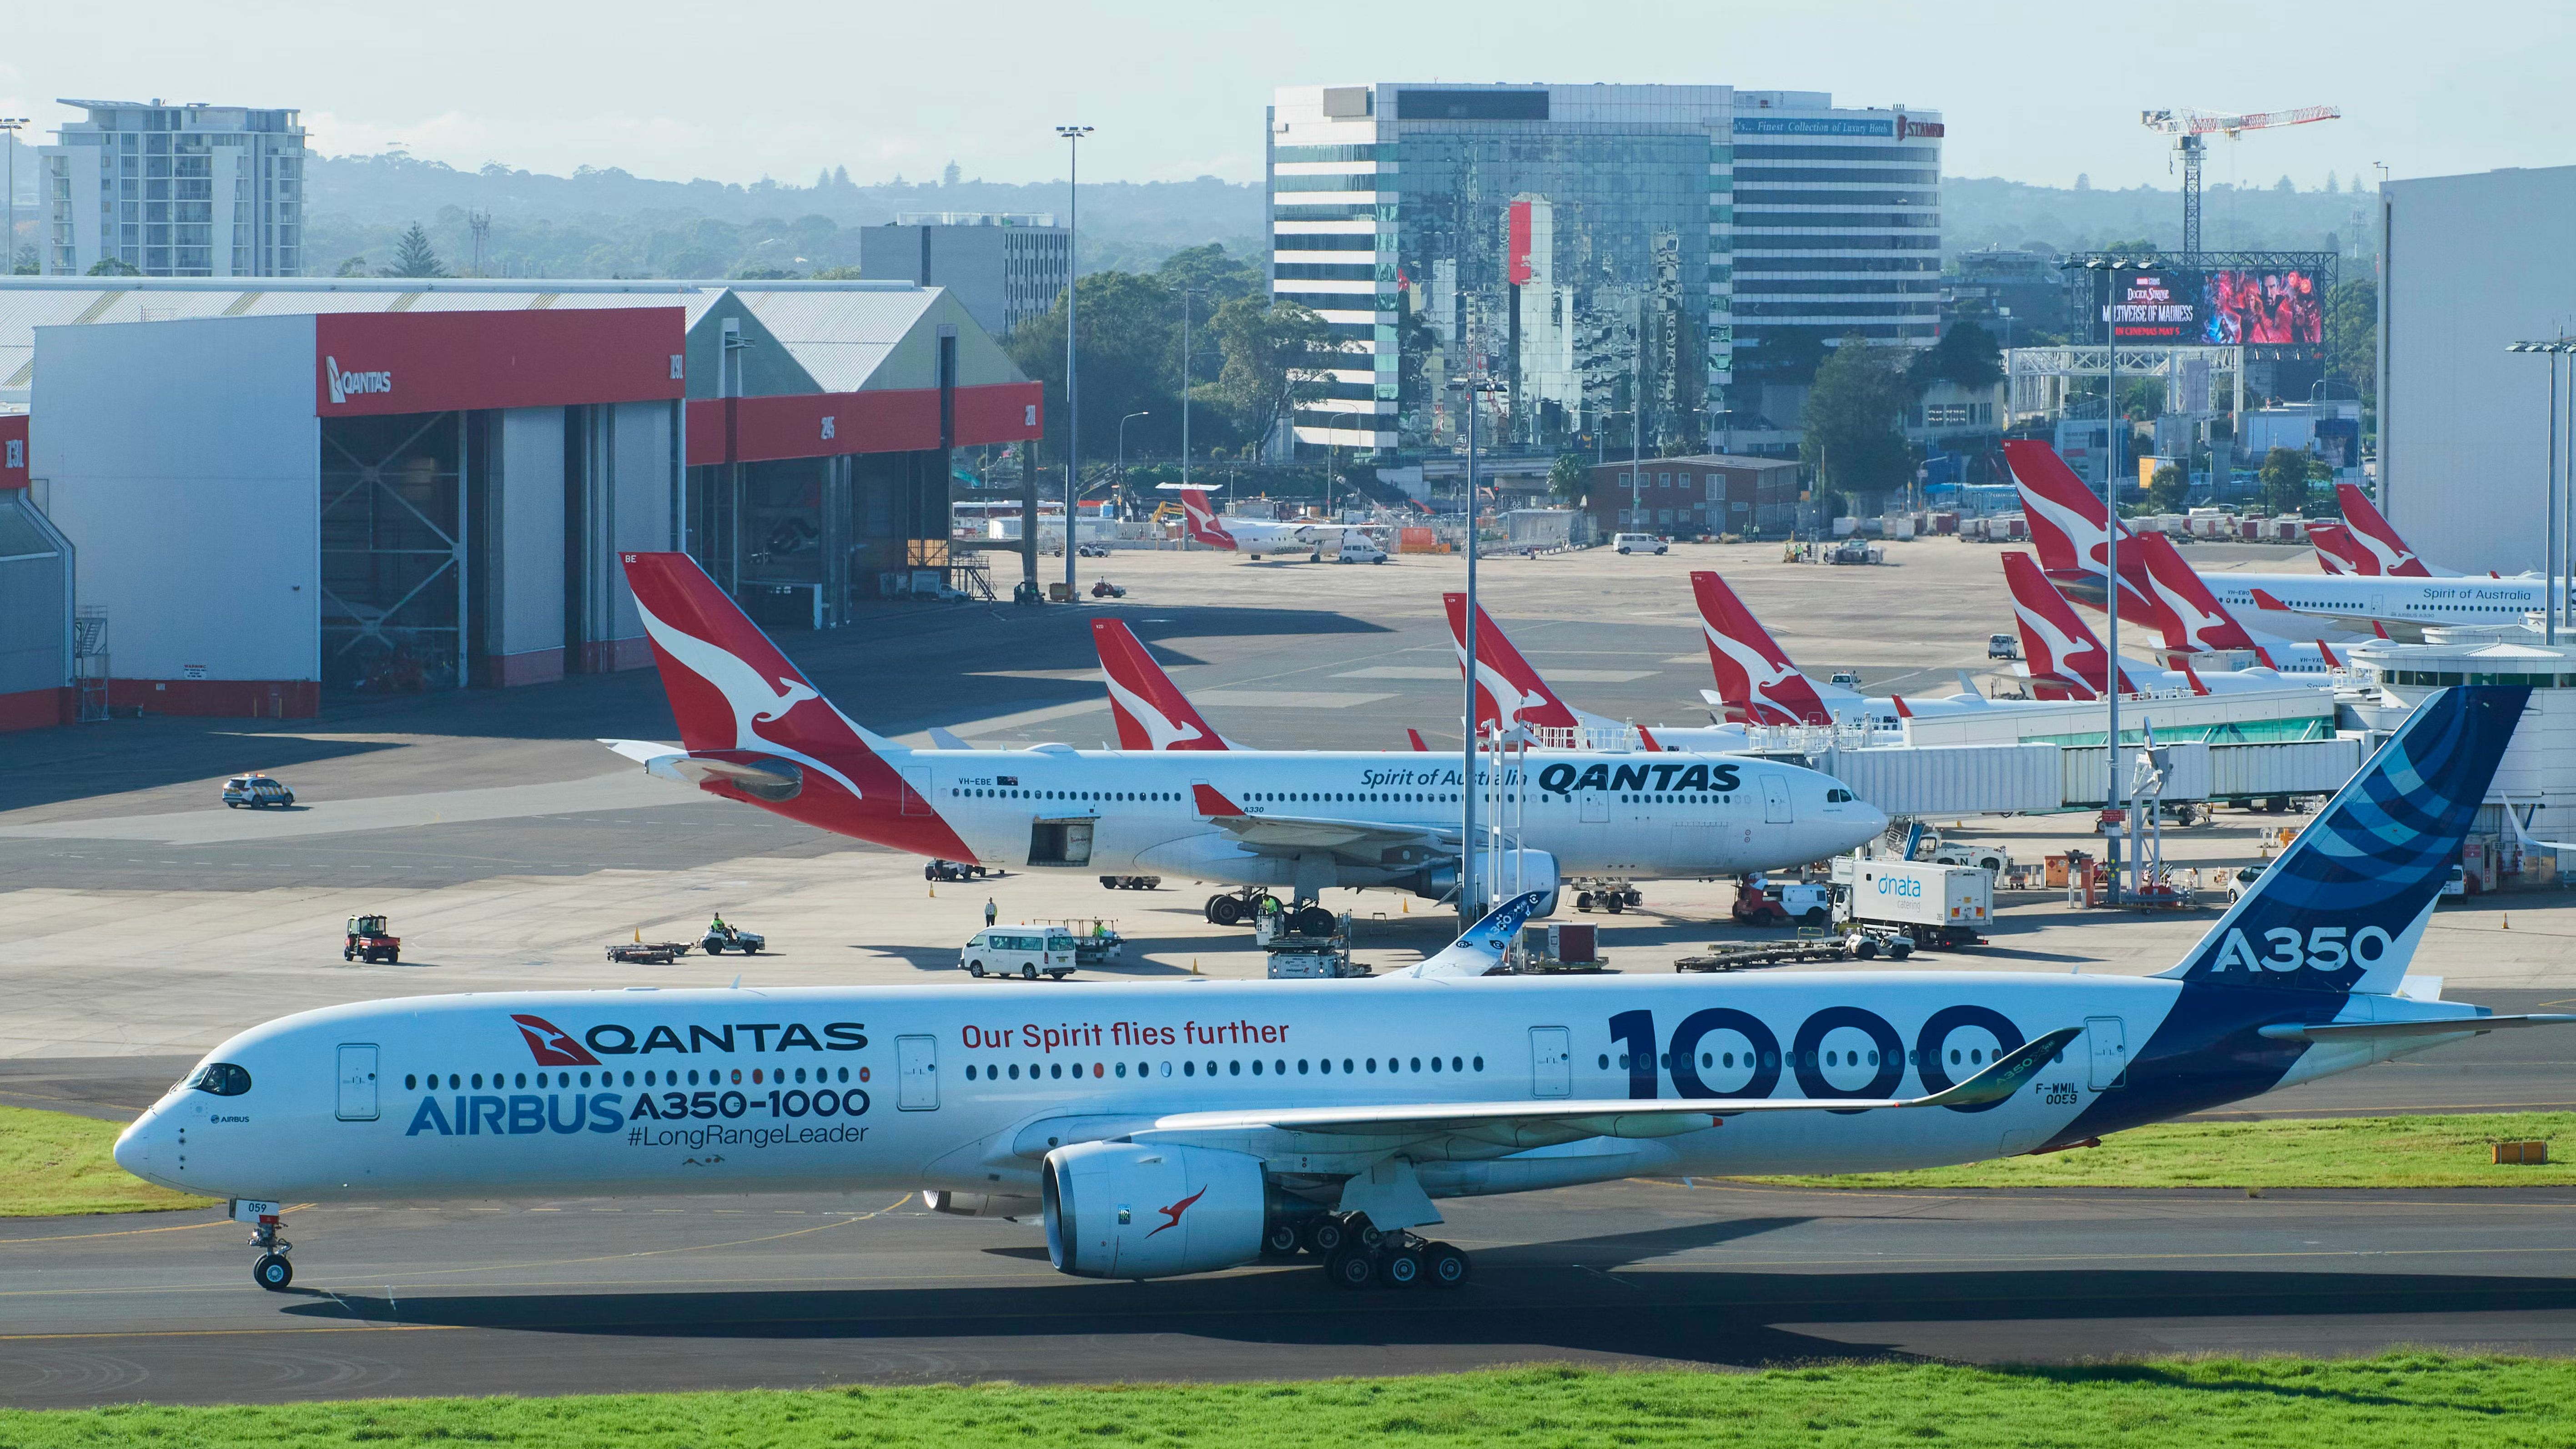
column 1931, row 905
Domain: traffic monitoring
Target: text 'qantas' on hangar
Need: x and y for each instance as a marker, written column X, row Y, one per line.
column 254, row 492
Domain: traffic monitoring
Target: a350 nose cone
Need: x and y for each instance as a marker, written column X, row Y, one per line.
column 143, row 1149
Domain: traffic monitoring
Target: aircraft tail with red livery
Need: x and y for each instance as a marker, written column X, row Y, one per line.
column 1756, row 683
column 2070, row 529
column 2066, row 659
column 1509, row 689
column 2378, row 551
column 1151, row 711
column 1199, row 521
column 754, row 728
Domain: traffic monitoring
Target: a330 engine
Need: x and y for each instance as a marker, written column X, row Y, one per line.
column 1131, row 1210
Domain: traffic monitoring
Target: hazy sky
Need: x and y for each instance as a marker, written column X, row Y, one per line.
column 2035, row 92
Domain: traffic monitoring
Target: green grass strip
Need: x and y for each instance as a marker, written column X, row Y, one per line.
column 54, row 1164
column 2401, row 1401
column 2449, row 1151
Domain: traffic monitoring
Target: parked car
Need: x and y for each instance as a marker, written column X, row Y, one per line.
column 256, row 791
column 1027, row 951
column 1638, row 543
column 2002, row 646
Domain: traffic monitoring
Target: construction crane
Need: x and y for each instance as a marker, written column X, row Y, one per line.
column 2188, row 126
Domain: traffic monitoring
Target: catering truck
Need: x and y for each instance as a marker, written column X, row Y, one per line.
column 1930, row 904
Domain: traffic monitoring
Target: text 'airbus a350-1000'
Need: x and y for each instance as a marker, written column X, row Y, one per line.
column 1161, row 1129
column 753, row 729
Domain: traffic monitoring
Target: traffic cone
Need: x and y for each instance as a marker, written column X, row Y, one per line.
column 639, row 935
column 2508, row 921
column 1194, row 965
column 934, row 890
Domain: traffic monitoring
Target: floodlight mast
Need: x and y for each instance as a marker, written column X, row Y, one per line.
column 2188, row 126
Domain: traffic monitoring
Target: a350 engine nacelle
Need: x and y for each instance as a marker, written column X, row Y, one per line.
column 1125, row 1210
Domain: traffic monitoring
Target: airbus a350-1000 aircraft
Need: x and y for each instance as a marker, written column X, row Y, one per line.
column 755, row 730
column 1164, row 1129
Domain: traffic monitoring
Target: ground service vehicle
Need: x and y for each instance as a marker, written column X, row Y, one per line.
column 1934, row 905
column 256, row 791
column 1160, row 1130
column 1767, row 903
column 1628, row 543
column 939, row 870
column 720, row 939
column 1028, row 951
column 2002, row 646
column 367, row 938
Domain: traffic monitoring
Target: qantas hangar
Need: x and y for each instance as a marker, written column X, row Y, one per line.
column 237, row 495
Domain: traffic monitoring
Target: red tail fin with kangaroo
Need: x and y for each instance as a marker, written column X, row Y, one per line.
column 1199, row 521
column 1152, row 712
column 1754, row 675
column 736, row 697
column 1508, row 690
column 2377, row 537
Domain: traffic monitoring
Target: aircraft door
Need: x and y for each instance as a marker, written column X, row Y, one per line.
column 1775, row 800
column 2107, row 1040
column 1551, row 1061
column 917, row 1069
column 358, row 1083
column 1596, row 808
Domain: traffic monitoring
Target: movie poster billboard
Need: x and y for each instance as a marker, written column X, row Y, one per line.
column 2158, row 306
column 2269, row 306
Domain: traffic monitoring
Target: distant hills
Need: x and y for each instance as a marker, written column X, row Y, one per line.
column 610, row 222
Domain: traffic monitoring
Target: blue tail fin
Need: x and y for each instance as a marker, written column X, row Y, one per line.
column 2342, row 909
column 1481, row 948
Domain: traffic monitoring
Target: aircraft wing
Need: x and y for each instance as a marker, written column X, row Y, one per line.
column 1288, row 834
column 2402, row 631
column 1468, row 1130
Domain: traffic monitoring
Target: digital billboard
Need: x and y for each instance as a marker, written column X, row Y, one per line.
column 2271, row 306
column 2218, row 307
column 2159, row 306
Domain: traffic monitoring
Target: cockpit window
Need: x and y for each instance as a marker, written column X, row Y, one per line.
column 221, row 1078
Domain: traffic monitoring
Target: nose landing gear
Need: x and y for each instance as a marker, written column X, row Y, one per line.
column 270, row 1270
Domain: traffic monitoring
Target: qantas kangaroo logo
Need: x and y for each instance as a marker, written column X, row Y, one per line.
column 755, row 700
column 1201, row 520
column 1160, row 732
column 1770, row 688
column 1172, row 1214
column 551, row 1045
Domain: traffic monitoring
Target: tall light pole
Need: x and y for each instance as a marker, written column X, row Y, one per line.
column 2112, row 425
column 1072, row 392
column 1637, row 428
column 1470, row 898
column 1186, row 294
column 9, row 127
column 1121, row 484
column 2553, row 556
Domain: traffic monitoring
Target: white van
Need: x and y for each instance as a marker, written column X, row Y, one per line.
column 1638, row 543
column 1359, row 548
column 1023, row 951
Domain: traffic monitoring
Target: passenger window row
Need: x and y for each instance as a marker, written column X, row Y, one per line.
column 457, row 1081
column 1277, row 1067
column 1973, row 1056
column 1093, row 796
column 1335, row 797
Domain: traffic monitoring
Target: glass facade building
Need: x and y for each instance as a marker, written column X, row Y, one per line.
column 1594, row 250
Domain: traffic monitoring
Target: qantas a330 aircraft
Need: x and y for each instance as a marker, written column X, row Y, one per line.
column 753, row 729
column 2065, row 659
column 1161, row 1129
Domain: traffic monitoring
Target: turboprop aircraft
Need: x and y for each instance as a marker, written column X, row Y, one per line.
column 1161, row 1129
column 1253, row 537
column 755, row 730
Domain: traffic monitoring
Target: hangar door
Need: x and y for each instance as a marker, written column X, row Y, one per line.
column 393, row 552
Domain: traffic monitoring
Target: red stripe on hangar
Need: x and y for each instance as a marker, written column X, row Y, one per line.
column 875, row 420
column 427, row 362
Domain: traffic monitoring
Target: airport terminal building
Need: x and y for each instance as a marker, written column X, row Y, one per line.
column 254, row 494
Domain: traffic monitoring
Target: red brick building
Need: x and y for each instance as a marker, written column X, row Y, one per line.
column 1706, row 493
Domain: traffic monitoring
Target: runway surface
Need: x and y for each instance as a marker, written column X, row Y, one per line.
column 681, row 1293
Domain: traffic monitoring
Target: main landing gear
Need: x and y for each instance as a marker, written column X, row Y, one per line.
column 1234, row 908
column 270, row 1270
column 1356, row 1255
column 1243, row 907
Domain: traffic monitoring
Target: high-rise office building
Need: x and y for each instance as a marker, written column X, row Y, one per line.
column 1599, row 248
column 1005, row 266
column 176, row 191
